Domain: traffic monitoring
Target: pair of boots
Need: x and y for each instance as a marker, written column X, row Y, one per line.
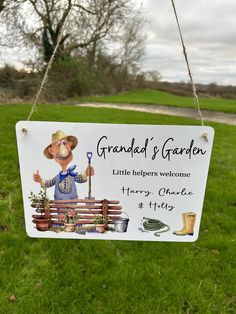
column 188, row 224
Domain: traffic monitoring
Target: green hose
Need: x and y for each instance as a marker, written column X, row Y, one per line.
column 155, row 225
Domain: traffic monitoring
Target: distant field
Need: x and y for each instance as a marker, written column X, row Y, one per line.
column 106, row 277
column 154, row 97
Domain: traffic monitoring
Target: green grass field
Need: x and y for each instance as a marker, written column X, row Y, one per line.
column 153, row 97
column 82, row 276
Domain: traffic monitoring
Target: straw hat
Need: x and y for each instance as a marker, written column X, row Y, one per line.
column 59, row 135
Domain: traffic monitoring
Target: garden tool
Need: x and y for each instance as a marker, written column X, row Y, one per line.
column 89, row 156
column 151, row 224
column 188, row 224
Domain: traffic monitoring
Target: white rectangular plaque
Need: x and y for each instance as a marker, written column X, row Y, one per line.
column 113, row 181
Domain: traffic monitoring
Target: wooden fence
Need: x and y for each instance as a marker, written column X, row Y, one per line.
column 87, row 209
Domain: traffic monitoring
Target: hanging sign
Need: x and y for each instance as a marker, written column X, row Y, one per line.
column 113, row 181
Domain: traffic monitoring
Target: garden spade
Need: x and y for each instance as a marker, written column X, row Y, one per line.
column 89, row 156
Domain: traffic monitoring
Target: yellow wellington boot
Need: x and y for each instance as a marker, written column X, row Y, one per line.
column 182, row 231
column 189, row 221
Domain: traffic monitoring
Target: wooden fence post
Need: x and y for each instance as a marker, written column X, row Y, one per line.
column 48, row 213
column 105, row 211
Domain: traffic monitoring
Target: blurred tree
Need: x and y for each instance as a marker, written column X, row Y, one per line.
column 8, row 11
column 93, row 25
column 99, row 50
column 153, row 76
column 1, row 5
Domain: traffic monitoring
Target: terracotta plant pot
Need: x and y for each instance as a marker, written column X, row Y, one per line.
column 42, row 224
column 101, row 228
column 69, row 227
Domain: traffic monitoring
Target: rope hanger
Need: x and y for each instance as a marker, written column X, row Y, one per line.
column 49, row 65
column 188, row 66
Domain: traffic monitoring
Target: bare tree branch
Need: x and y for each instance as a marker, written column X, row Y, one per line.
column 94, row 24
column 2, row 5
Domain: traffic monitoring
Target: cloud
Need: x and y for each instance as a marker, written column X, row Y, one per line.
column 208, row 28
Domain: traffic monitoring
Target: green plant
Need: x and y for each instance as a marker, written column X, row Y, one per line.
column 70, row 217
column 39, row 201
column 100, row 220
column 70, row 77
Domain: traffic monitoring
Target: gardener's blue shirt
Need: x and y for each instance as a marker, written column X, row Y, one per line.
column 65, row 187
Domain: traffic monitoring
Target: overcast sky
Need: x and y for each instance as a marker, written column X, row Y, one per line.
column 209, row 31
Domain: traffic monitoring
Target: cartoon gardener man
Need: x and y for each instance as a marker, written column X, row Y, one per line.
column 60, row 150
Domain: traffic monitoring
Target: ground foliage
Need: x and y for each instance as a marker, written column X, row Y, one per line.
column 76, row 77
column 80, row 276
column 156, row 97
